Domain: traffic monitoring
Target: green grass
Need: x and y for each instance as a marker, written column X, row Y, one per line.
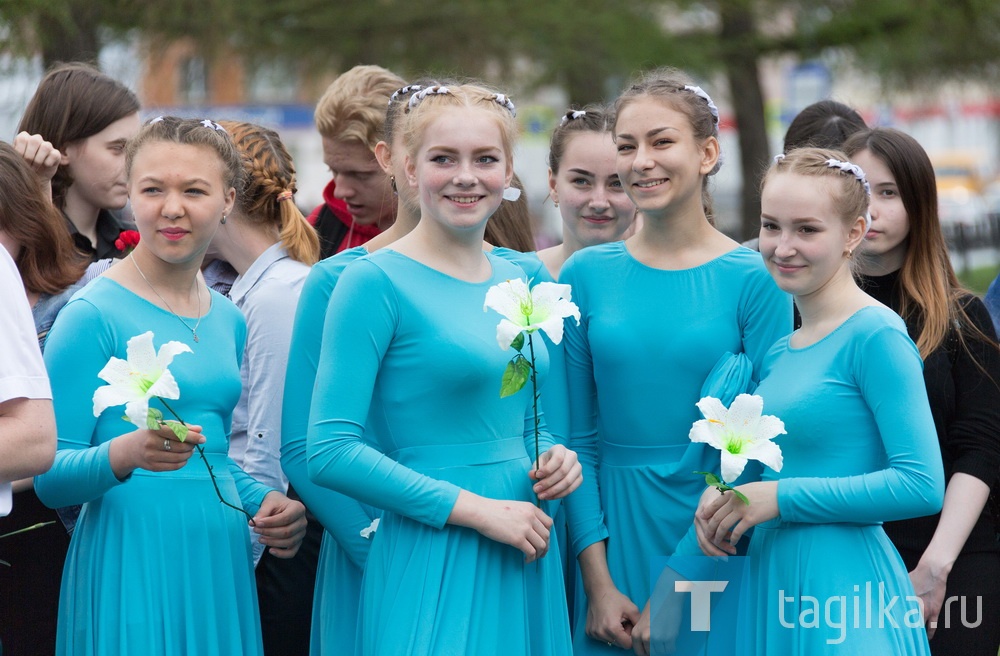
column 978, row 280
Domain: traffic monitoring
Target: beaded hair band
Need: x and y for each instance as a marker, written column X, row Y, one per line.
column 572, row 116
column 285, row 195
column 208, row 123
column 505, row 102
column 405, row 91
column 426, row 91
column 846, row 167
column 698, row 91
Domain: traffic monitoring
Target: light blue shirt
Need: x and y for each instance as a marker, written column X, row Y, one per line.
column 267, row 295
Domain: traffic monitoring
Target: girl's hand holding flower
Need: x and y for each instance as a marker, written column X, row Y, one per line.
column 281, row 524
column 722, row 519
column 558, row 473
column 153, row 450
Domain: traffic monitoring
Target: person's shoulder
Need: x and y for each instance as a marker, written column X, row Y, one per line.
column 509, row 263
column 595, row 256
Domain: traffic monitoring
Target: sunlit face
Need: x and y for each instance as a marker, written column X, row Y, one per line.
column 593, row 205
column 460, row 169
column 660, row 162
column 97, row 166
column 803, row 239
column 360, row 182
column 887, row 240
column 179, row 195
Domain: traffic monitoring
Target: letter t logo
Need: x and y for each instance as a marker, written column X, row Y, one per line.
column 701, row 598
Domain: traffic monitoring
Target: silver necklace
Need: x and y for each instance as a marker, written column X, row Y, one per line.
column 194, row 331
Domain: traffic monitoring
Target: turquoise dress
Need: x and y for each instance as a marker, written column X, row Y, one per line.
column 156, row 564
column 647, row 340
column 860, row 449
column 344, row 549
column 412, row 351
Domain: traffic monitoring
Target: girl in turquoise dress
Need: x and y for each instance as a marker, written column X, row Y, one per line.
column 658, row 312
column 860, row 446
column 410, row 359
column 157, row 565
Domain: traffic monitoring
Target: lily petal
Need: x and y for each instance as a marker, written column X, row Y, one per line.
column 136, row 412
column 116, row 372
column 506, row 299
column 553, row 327
column 108, row 396
column 769, row 427
column 142, row 355
column 732, row 466
column 506, row 332
column 168, row 351
column 704, row 431
column 165, row 386
column 744, row 413
column 712, row 408
column 766, row 452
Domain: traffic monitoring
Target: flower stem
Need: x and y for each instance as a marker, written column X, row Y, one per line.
column 534, row 400
column 211, row 474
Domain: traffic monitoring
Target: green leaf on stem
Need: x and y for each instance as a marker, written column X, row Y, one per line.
column 154, row 419
column 518, row 342
column 515, row 376
column 710, row 479
column 179, row 429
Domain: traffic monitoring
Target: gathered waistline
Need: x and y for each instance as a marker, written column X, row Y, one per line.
column 627, row 455
column 438, row 456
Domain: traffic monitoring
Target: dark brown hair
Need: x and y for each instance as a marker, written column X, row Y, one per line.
column 510, row 225
column 73, row 102
column 593, row 118
column 823, row 124
column 48, row 261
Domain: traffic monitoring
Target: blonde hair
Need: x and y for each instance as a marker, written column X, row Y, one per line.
column 853, row 197
column 353, row 107
column 269, row 184
column 424, row 107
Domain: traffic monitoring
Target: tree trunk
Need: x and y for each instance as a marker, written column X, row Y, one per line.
column 740, row 60
column 70, row 40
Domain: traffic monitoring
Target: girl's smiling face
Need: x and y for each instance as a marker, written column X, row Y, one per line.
column 592, row 202
column 460, row 169
column 660, row 161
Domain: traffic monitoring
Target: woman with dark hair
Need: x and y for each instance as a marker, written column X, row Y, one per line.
column 34, row 234
column 953, row 555
column 87, row 116
column 823, row 124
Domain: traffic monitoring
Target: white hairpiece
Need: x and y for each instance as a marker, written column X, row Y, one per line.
column 779, row 157
column 511, row 193
column 426, row 91
column 572, row 116
column 698, row 91
column 859, row 175
column 405, row 91
column 155, row 120
column 208, row 123
column 506, row 102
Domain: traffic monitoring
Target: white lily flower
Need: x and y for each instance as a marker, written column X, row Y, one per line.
column 542, row 307
column 740, row 432
column 139, row 378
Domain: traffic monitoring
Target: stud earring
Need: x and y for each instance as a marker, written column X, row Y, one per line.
column 223, row 221
column 392, row 183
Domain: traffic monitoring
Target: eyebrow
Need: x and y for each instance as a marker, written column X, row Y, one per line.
column 650, row 133
column 189, row 181
column 803, row 219
column 582, row 172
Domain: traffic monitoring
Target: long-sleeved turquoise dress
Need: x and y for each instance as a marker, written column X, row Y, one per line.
column 411, row 351
column 860, row 448
column 156, row 565
column 345, row 520
column 647, row 340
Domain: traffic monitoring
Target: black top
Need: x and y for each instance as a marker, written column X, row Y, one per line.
column 965, row 404
column 109, row 226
